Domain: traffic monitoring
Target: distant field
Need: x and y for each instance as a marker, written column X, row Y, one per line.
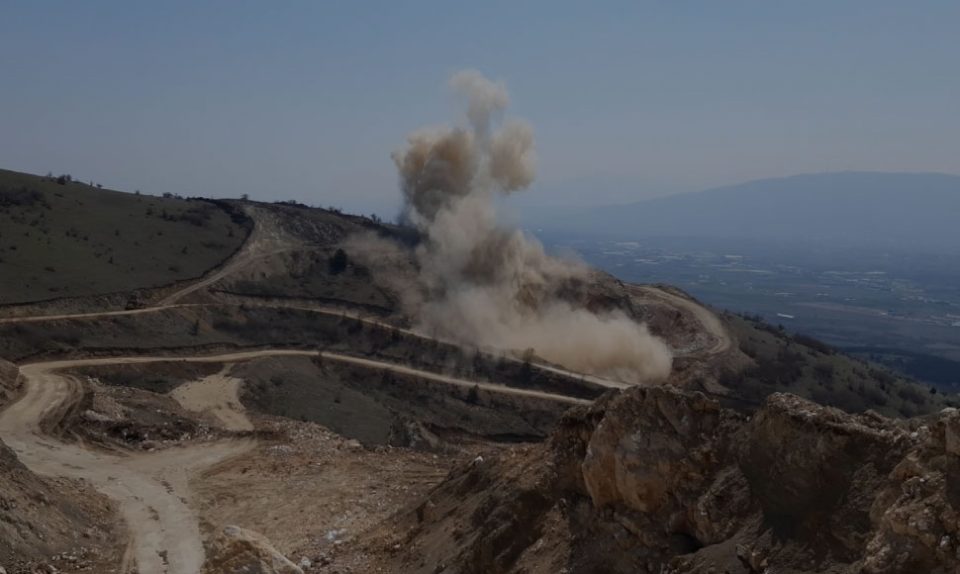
column 61, row 238
column 900, row 310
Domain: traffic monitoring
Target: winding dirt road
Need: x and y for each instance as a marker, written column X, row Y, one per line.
column 721, row 341
column 332, row 311
column 266, row 239
column 152, row 489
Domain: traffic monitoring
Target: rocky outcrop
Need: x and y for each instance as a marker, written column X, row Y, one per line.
column 239, row 550
column 660, row 480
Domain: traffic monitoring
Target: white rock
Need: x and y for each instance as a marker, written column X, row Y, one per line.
column 332, row 535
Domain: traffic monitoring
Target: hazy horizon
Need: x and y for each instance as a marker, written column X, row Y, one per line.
column 307, row 102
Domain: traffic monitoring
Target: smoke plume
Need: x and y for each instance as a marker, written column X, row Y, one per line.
column 487, row 285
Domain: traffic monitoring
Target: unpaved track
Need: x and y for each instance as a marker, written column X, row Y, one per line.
column 707, row 319
column 266, row 239
column 333, row 311
column 399, row 369
column 264, row 353
column 152, row 489
column 95, row 315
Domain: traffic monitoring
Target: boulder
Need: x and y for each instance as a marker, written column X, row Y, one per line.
column 240, row 550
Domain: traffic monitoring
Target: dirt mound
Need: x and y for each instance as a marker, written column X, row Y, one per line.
column 119, row 417
column 658, row 480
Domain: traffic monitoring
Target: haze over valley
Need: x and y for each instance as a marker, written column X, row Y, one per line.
column 868, row 262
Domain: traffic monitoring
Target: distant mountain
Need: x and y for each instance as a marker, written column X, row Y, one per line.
column 896, row 211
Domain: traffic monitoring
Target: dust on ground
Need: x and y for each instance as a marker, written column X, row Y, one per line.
column 313, row 493
column 217, row 395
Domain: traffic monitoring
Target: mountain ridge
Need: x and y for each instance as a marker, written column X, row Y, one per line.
column 889, row 210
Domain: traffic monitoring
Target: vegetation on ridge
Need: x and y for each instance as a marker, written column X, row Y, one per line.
column 63, row 238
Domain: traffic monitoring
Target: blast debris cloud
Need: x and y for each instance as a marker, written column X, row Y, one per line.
column 488, row 285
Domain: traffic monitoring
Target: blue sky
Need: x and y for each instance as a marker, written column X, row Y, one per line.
column 306, row 100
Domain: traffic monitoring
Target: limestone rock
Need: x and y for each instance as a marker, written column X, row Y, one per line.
column 240, row 550
column 665, row 481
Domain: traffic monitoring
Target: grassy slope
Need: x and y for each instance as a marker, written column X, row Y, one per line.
column 71, row 239
column 798, row 365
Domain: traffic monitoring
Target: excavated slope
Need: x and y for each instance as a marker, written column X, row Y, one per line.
column 662, row 481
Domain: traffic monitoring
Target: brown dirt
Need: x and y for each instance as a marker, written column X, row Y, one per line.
column 56, row 521
column 311, row 492
column 218, row 396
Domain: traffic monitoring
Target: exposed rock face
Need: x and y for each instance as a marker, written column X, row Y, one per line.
column 239, row 550
column 43, row 517
column 659, row 480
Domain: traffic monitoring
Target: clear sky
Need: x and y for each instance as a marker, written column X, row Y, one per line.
column 306, row 100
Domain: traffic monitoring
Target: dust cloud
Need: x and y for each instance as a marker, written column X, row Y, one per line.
column 484, row 284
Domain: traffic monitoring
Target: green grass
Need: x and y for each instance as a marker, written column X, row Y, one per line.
column 71, row 239
column 800, row 365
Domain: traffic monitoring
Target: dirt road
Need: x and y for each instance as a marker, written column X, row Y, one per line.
column 401, row 370
column 152, row 489
column 326, row 355
column 267, row 238
column 334, row 311
column 721, row 341
column 94, row 315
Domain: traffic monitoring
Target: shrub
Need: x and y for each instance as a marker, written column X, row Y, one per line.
column 338, row 262
column 814, row 344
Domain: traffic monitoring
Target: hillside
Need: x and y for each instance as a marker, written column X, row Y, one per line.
column 896, row 211
column 287, row 291
column 801, row 365
column 62, row 238
column 289, row 403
